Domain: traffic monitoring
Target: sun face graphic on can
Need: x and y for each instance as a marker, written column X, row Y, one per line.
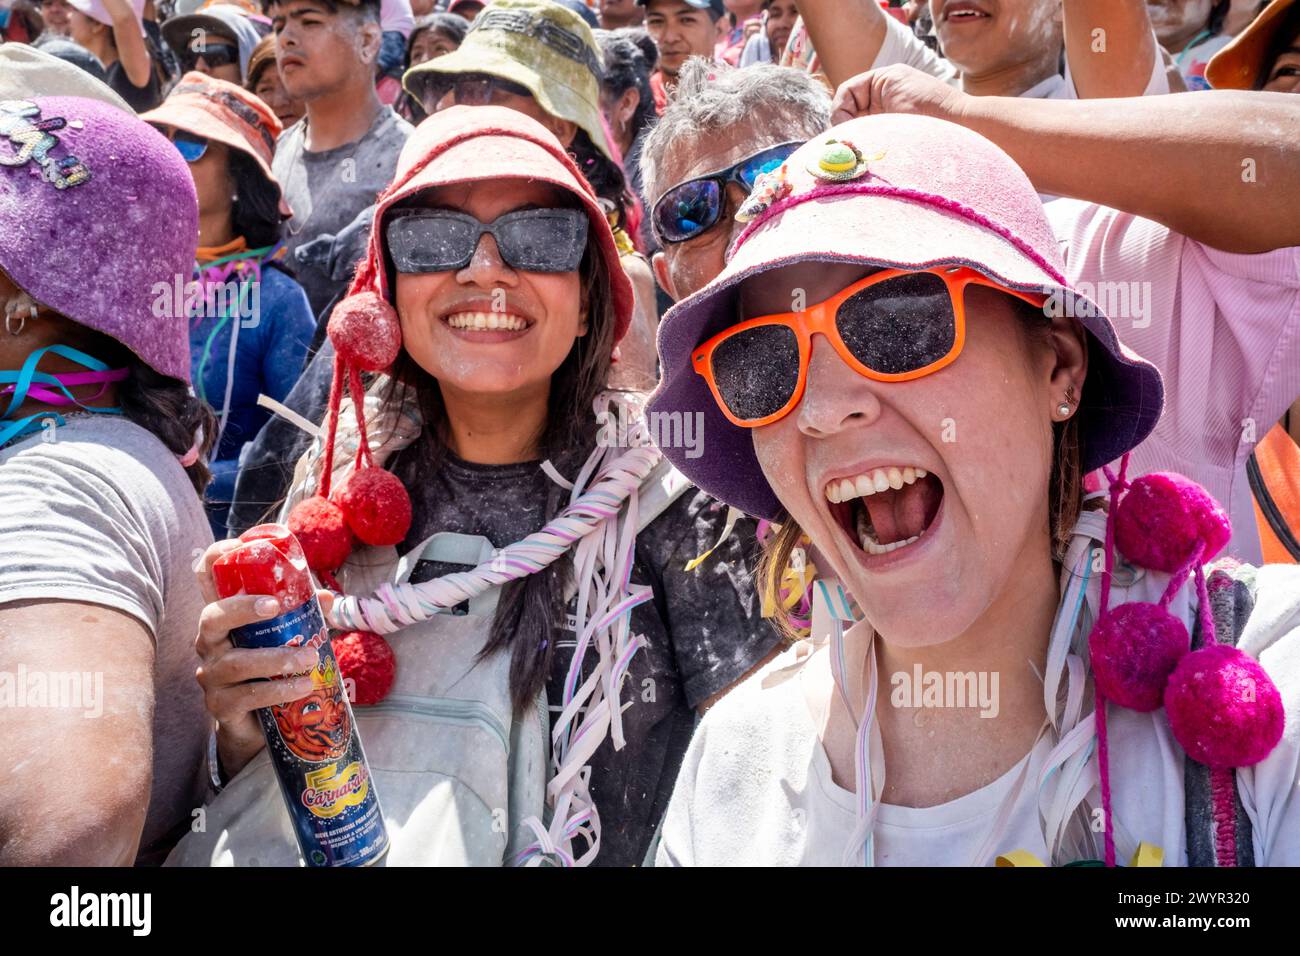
column 317, row 727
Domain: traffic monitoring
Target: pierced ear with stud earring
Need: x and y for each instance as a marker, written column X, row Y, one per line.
column 1066, row 408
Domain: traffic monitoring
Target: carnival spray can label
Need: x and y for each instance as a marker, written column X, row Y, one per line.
column 312, row 742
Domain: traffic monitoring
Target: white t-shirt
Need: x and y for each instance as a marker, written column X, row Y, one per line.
column 755, row 787
column 104, row 514
column 901, row 45
column 396, row 16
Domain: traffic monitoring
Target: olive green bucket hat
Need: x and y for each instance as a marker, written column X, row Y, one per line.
column 542, row 46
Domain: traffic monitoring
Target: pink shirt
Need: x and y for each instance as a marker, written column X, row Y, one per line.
column 1223, row 329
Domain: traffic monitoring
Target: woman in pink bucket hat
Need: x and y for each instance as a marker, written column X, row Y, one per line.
column 1010, row 669
column 508, row 552
column 102, row 464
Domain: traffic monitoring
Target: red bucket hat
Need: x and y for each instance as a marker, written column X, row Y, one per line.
column 900, row 192
column 464, row 144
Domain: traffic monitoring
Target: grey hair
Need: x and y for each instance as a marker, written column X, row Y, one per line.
column 711, row 97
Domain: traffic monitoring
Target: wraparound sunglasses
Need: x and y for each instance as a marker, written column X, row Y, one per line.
column 891, row 326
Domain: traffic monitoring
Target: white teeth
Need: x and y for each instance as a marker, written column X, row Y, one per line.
column 870, row 482
column 870, row 545
column 487, row 321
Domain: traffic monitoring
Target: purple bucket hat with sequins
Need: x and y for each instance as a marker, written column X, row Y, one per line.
column 904, row 192
column 98, row 217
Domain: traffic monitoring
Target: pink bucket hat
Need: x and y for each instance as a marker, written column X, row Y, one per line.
column 914, row 193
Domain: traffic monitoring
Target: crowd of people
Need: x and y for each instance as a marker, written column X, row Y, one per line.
column 905, row 398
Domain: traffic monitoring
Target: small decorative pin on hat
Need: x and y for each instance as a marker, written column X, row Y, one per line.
column 839, row 162
column 769, row 188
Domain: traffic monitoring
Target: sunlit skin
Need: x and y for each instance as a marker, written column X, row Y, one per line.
column 429, row 45
column 1284, row 77
column 270, row 90
column 1009, row 44
column 316, row 51
column 685, row 267
column 490, row 376
column 620, row 13
column 781, row 17
column 680, row 31
column 215, row 187
column 56, row 13
column 1177, row 22
column 978, row 591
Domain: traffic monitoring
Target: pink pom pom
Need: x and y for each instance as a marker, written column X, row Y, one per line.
column 365, row 331
column 376, row 506
column 366, row 661
column 1223, row 708
column 1161, row 519
column 323, row 533
column 1134, row 648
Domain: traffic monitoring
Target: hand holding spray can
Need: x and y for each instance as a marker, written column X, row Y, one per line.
column 313, row 742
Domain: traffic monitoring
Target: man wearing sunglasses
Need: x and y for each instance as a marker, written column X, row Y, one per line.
column 724, row 129
column 217, row 42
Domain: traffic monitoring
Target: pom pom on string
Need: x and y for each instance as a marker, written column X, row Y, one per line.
column 365, row 331
column 1223, row 708
column 367, row 664
column 375, row 505
column 1134, row 649
column 1163, row 517
column 321, row 527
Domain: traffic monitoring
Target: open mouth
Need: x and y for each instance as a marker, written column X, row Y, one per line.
column 885, row 509
column 962, row 12
column 487, row 326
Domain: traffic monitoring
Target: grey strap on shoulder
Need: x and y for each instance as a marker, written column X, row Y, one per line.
column 1232, row 598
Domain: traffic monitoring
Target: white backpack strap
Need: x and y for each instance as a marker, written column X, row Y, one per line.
column 452, row 548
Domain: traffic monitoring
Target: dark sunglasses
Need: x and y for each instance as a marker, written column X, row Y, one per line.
column 470, row 89
column 190, row 145
column 213, row 54
column 891, row 326
column 531, row 240
column 696, row 205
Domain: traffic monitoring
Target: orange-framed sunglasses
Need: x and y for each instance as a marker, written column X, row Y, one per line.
column 895, row 325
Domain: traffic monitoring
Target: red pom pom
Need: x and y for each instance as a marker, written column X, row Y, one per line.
column 377, row 507
column 1134, row 648
column 366, row 661
column 323, row 533
column 1223, row 708
column 365, row 331
column 1163, row 516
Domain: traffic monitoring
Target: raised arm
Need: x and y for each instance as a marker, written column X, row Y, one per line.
column 131, row 51
column 1219, row 167
column 847, row 34
column 1110, row 47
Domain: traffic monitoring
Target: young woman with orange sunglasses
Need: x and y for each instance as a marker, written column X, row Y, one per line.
column 1010, row 668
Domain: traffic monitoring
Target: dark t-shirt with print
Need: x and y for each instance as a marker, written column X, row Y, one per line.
column 703, row 628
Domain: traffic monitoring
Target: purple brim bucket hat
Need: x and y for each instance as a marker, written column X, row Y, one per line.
column 902, row 192
column 99, row 221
